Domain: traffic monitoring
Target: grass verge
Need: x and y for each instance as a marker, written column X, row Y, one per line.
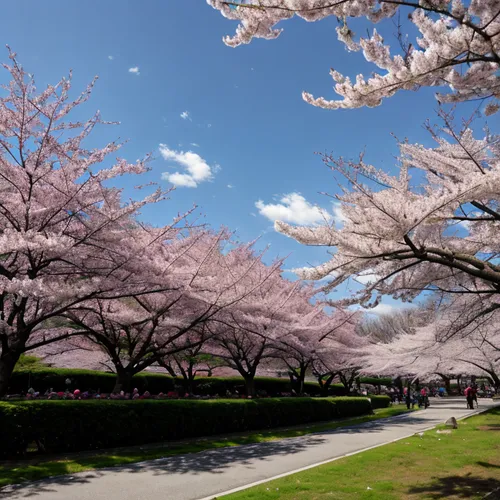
column 464, row 463
column 15, row 472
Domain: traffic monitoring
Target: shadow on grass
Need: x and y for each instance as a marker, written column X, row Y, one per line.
column 215, row 461
column 468, row 486
column 488, row 465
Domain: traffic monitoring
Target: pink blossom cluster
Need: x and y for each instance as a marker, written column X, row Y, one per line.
column 458, row 45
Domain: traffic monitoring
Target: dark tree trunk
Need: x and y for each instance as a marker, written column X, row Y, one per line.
column 496, row 381
column 7, row 364
column 297, row 378
column 325, row 384
column 123, row 380
column 398, row 382
column 346, row 382
column 302, row 377
column 189, row 376
column 250, row 385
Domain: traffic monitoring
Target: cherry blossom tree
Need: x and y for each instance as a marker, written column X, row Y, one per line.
column 251, row 333
column 410, row 237
column 65, row 236
column 198, row 279
column 337, row 355
column 425, row 353
column 458, row 44
column 309, row 336
column 191, row 360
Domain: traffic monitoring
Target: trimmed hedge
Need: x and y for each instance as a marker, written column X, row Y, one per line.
column 387, row 381
column 60, row 426
column 380, row 401
column 45, row 378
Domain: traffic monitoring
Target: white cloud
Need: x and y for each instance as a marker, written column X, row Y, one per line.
column 185, row 115
column 339, row 217
column 381, row 309
column 253, row 214
column 197, row 169
column 367, row 278
column 294, row 208
column 134, row 70
column 110, row 58
column 195, row 145
column 230, row 186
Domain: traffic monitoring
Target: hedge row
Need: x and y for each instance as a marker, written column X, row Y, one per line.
column 380, row 401
column 387, row 381
column 60, row 426
column 43, row 379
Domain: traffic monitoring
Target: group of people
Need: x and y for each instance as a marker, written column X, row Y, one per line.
column 421, row 398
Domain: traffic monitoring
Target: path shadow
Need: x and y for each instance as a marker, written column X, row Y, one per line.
column 467, row 486
column 212, row 461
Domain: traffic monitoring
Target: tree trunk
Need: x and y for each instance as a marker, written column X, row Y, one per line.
column 459, row 385
column 123, row 381
column 496, row 381
column 399, row 384
column 302, row 377
column 250, row 385
column 7, row 365
column 325, row 384
column 189, row 379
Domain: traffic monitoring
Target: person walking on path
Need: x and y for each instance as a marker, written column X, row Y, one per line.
column 469, row 396
column 474, row 396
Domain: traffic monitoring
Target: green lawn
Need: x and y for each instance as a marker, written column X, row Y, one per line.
column 464, row 464
column 40, row 467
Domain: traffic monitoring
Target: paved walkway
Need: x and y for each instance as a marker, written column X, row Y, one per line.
column 200, row 475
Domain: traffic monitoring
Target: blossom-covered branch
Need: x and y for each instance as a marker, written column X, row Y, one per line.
column 458, row 46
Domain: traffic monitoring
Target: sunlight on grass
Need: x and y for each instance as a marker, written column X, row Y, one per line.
column 462, row 464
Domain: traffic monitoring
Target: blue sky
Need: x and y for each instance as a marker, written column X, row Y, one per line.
column 161, row 59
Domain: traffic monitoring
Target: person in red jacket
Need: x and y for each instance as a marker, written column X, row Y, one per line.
column 469, row 396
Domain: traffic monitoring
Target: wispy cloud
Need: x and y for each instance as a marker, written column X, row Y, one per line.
column 134, row 70
column 230, row 186
column 195, row 145
column 338, row 215
column 294, row 208
column 110, row 58
column 366, row 278
column 197, row 170
column 209, row 125
column 185, row 115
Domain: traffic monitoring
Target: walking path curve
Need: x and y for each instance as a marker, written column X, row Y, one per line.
column 206, row 474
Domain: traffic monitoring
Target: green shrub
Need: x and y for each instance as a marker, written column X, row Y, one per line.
column 43, row 379
column 60, row 426
column 380, row 401
column 387, row 381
